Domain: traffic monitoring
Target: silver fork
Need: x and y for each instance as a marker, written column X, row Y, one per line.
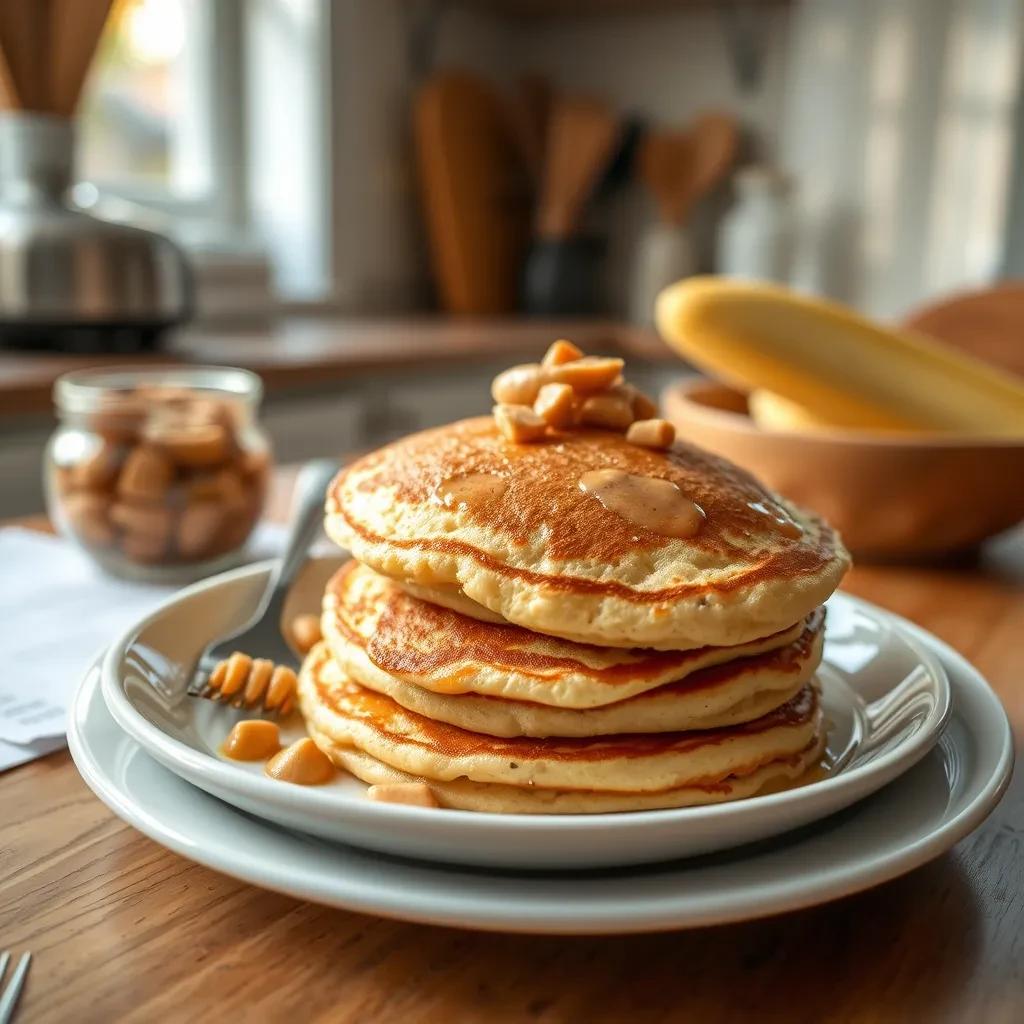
column 261, row 636
column 9, row 999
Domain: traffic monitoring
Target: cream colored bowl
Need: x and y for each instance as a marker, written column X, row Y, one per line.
column 890, row 496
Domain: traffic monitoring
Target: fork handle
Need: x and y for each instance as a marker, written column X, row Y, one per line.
column 304, row 521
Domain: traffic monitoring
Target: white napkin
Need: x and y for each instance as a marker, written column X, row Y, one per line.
column 57, row 612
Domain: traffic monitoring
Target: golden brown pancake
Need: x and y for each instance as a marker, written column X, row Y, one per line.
column 462, row 794
column 357, row 727
column 729, row 694
column 508, row 681
column 535, row 549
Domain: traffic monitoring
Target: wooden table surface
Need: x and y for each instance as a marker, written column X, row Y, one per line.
column 124, row 930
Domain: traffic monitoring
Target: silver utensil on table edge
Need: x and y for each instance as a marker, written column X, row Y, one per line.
column 9, row 995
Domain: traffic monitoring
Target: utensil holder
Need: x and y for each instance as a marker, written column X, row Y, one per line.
column 560, row 277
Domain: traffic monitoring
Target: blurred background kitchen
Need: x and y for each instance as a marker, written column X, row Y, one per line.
column 377, row 204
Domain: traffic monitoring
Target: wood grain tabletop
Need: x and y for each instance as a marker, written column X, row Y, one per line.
column 124, row 930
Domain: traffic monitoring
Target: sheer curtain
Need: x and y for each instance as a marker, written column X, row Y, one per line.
column 899, row 123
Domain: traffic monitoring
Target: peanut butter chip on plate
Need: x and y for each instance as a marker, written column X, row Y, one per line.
column 303, row 763
column 252, row 740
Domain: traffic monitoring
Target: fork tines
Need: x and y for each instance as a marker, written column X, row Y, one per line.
column 244, row 682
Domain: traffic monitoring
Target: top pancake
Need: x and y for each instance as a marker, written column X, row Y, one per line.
column 547, row 556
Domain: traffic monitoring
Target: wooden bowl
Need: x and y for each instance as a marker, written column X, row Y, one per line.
column 890, row 496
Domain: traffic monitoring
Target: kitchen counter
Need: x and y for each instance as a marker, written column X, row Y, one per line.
column 338, row 384
column 302, row 352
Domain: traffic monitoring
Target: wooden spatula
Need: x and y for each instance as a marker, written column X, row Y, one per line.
column 46, row 47
column 665, row 162
column 529, row 106
column 716, row 140
column 24, row 41
column 581, row 139
column 476, row 211
column 75, row 32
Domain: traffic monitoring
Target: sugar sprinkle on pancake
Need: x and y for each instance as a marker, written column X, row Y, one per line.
column 547, row 556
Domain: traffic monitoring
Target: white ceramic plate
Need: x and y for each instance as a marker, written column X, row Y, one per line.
column 886, row 695
column 914, row 819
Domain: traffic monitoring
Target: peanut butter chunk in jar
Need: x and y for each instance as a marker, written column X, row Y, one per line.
column 160, row 475
column 303, row 764
column 87, row 515
column 252, row 739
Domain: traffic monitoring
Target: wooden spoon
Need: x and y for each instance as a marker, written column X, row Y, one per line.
column 580, row 142
column 665, row 163
column 715, row 142
column 529, row 106
column 24, row 40
column 47, row 47
column 76, row 29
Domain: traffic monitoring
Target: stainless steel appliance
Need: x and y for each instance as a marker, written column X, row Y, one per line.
column 70, row 281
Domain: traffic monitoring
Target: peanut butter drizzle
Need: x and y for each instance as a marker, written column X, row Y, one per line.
column 253, row 739
column 303, row 763
column 646, row 501
column 473, row 491
column 777, row 521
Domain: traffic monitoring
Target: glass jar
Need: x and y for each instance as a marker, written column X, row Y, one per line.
column 160, row 475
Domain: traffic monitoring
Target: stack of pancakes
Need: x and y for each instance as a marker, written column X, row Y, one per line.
column 518, row 646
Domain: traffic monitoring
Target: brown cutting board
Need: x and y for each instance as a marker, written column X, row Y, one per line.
column 987, row 324
column 475, row 201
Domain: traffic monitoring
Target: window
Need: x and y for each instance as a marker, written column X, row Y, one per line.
column 161, row 128
column 133, row 98
column 220, row 123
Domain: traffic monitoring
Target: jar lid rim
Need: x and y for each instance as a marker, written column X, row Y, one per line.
column 80, row 390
